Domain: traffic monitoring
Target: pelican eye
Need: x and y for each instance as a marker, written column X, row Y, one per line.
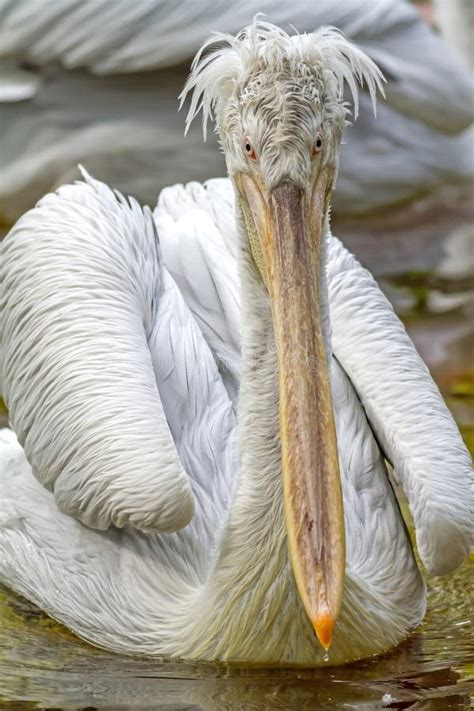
column 249, row 150
column 318, row 144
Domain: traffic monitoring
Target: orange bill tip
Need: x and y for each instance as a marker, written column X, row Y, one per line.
column 324, row 626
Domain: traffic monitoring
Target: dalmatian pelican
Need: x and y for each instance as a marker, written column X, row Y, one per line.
column 204, row 405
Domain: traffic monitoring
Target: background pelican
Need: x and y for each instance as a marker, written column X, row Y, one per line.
column 81, row 62
column 121, row 382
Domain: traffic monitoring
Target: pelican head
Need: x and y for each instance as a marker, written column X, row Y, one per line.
column 278, row 102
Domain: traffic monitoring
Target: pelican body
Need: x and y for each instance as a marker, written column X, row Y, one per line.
column 205, row 398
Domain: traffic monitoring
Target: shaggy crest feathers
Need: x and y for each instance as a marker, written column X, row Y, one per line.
column 225, row 60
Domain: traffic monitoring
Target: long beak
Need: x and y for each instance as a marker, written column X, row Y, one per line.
column 286, row 247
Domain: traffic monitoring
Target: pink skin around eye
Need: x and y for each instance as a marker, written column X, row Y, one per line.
column 317, row 146
column 250, row 152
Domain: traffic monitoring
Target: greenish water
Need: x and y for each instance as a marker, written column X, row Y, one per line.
column 43, row 665
column 424, row 262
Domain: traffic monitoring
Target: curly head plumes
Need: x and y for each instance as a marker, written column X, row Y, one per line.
column 264, row 83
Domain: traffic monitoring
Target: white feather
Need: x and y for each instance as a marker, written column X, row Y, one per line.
column 175, row 605
column 213, row 75
column 110, row 375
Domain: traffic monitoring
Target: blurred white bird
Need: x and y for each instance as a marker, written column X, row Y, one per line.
column 122, row 119
column 217, row 403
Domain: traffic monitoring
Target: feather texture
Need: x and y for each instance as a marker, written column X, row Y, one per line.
column 184, row 600
column 124, row 366
column 52, row 271
column 215, row 71
column 372, row 345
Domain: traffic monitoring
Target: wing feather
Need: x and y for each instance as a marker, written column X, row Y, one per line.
column 196, row 224
column 406, row 410
column 82, row 280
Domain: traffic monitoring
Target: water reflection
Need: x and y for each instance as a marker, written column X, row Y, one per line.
column 45, row 664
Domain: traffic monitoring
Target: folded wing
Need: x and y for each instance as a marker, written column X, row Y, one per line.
column 86, row 332
column 409, row 416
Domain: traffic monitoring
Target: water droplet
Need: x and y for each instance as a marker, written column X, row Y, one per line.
column 326, row 656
